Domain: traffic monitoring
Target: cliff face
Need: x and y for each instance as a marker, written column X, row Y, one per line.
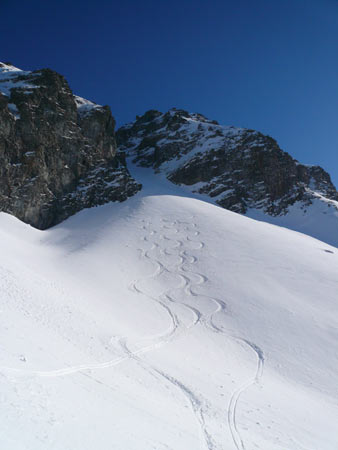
column 57, row 150
column 240, row 169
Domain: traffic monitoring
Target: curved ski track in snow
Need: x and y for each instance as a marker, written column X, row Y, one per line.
column 160, row 339
column 195, row 401
column 188, row 281
column 208, row 321
column 232, row 408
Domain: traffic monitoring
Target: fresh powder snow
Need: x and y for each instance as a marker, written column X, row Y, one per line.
column 166, row 322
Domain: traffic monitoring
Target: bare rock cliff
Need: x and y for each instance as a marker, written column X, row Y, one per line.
column 57, row 150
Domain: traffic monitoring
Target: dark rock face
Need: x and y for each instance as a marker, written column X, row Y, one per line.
column 57, row 151
column 239, row 168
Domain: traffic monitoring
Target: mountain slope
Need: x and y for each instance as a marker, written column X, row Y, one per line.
column 57, row 150
column 236, row 168
column 166, row 322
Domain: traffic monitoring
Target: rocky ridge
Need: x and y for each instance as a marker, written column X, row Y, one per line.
column 57, row 150
column 239, row 169
column 58, row 155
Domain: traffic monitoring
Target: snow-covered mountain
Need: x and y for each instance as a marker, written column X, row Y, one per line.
column 58, row 155
column 236, row 168
column 166, row 322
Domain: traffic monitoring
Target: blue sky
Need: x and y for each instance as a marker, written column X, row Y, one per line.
column 265, row 64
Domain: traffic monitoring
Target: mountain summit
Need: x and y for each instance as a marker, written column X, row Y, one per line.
column 57, row 150
column 239, row 169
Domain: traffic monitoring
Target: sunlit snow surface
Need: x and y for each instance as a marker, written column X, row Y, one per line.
column 166, row 322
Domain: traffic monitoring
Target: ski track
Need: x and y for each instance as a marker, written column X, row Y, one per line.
column 195, row 402
column 208, row 321
column 165, row 300
column 185, row 282
column 232, row 409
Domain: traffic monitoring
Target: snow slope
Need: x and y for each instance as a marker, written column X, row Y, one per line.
column 166, row 322
column 239, row 169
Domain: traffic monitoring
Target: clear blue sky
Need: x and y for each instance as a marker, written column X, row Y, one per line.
column 271, row 65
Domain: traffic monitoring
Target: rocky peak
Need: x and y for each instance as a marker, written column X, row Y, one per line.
column 52, row 146
column 240, row 169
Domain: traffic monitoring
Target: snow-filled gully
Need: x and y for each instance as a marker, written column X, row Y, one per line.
column 180, row 246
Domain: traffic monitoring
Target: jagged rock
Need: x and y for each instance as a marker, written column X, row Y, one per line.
column 240, row 169
column 57, row 150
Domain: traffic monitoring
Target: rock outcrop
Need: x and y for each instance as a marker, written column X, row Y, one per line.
column 57, row 150
column 240, row 169
column 58, row 155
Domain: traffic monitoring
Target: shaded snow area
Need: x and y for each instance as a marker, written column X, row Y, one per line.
column 318, row 219
column 166, row 322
